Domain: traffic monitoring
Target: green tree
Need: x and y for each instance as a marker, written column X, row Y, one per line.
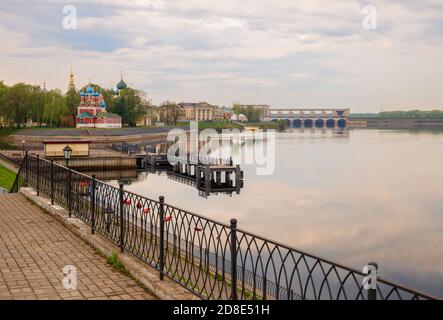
column 236, row 109
column 108, row 96
column 16, row 104
column 169, row 113
column 55, row 108
column 96, row 87
column 251, row 113
column 72, row 102
column 282, row 125
column 131, row 105
column 3, row 92
column 37, row 105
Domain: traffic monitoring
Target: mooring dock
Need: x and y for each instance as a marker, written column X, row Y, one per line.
column 208, row 175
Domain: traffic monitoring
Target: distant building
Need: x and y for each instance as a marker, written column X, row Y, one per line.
column 200, row 111
column 71, row 85
column 54, row 148
column 91, row 112
column 146, row 120
column 219, row 114
column 169, row 113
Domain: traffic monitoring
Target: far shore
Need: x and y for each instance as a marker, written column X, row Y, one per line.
column 382, row 123
column 11, row 138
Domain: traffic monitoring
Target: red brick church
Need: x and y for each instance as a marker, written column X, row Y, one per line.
column 91, row 112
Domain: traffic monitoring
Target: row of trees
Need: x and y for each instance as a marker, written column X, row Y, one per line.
column 412, row 114
column 22, row 104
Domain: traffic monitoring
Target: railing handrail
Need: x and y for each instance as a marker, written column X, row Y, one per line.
column 241, row 234
column 14, row 187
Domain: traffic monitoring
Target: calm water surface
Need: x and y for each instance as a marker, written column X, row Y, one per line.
column 369, row 195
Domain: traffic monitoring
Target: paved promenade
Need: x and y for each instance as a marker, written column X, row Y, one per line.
column 34, row 249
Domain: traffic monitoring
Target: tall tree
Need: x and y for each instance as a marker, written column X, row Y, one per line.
column 130, row 104
column 37, row 105
column 55, row 108
column 17, row 101
column 3, row 91
column 169, row 112
column 72, row 102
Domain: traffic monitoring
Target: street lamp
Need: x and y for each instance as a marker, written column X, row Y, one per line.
column 67, row 151
column 23, row 144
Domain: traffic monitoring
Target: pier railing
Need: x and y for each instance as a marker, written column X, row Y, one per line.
column 211, row 259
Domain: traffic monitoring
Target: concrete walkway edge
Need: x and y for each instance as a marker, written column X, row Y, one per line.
column 148, row 276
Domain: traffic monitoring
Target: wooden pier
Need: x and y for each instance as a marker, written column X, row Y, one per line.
column 208, row 176
column 153, row 162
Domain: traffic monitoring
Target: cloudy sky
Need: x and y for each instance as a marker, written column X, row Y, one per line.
column 286, row 53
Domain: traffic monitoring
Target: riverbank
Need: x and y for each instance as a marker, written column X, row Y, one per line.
column 378, row 123
column 105, row 138
column 101, row 138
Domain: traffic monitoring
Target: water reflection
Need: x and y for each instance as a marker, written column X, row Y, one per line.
column 373, row 195
column 124, row 175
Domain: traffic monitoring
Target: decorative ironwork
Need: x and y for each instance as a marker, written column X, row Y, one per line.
column 211, row 259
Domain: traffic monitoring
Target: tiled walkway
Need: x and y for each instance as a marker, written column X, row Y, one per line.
column 34, row 249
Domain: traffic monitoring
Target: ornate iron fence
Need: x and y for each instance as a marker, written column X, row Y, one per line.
column 209, row 258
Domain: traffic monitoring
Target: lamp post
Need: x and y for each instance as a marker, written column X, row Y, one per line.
column 67, row 151
column 23, row 145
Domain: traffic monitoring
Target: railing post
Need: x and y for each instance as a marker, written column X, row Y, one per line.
column 93, row 205
column 52, row 182
column 234, row 295
column 122, row 230
column 69, row 192
column 38, row 175
column 26, row 168
column 372, row 277
column 161, row 262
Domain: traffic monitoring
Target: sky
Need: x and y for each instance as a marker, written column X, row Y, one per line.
column 285, row 53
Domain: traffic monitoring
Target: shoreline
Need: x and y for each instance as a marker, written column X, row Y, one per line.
column 104, row 138
column 395, row 123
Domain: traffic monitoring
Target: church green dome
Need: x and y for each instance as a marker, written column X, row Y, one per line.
column 121, row 85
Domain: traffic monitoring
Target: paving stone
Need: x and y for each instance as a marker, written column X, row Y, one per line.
column 34, row 250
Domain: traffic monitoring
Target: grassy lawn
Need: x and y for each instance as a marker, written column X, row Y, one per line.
column 4, row 132
column 6, row 178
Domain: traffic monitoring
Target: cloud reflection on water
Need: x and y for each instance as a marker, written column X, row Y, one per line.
column 375, row 196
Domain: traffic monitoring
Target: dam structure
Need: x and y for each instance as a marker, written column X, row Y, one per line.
column 311, row 118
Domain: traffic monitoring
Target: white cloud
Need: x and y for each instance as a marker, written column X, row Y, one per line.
column 311, row 53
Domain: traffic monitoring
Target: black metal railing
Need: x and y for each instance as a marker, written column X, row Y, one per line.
column 211, row 259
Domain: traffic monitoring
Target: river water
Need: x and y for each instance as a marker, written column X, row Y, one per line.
column 365, row 195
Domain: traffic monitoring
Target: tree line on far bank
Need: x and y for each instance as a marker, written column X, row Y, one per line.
column 412, row 114
column 23, row 103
